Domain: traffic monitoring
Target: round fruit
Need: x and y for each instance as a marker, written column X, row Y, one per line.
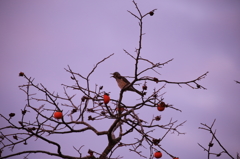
column 161, row 106
column 58, row 115
column 158, row 154
column 21, row 74
column 12, row 115
column 151, row 13
column 157, row 118
column 106, row 98
column 175, row 158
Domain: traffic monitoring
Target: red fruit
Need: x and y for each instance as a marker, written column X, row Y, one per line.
column 58, row 115
column 158, row 154
column 175, row 158
column 106, row 98
column 161, row 106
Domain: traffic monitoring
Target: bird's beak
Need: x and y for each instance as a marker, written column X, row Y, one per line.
column 111, row 74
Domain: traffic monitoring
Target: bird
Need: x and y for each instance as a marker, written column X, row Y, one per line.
column 123, row 82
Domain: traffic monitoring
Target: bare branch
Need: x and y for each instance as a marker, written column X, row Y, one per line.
column 209, row 128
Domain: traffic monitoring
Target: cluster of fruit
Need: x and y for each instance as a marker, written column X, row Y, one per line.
column 161, row 106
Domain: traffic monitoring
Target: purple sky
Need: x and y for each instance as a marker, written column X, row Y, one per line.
column 41, row 38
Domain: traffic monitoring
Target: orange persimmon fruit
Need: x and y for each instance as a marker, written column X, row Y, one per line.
column 161, row 106
column 106, row 98
column 58, row 115
column 158, row 154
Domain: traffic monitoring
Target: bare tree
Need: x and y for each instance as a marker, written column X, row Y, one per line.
column 211, row 143
column 72, row 115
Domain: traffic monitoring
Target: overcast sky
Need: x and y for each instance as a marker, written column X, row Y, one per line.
column 40, row 38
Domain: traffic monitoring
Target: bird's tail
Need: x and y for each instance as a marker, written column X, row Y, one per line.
column 140, row 93
column 137, row 91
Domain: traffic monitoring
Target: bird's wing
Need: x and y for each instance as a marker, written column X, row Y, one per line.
column 125, row 80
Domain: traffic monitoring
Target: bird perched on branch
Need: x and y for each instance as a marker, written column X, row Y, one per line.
column 123, row 82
